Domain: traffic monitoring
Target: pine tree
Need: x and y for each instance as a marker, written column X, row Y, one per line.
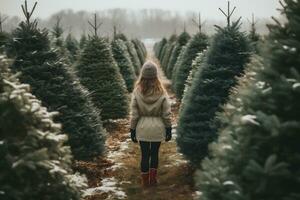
column 35, row 162
column 4, row 39
column 159, row 46
column 132, row 52
column 257, row 153
column 134, row 57
column 197, row 44
column 82, row 41
column 168, row 51
column 140, row 50
column 58, row 88
column 99, row 73
column 253, row 35
column 226, row 58
column 182, row 40
column 73, row 46
column 196, row 65
column 122, row 57
column 178, row 63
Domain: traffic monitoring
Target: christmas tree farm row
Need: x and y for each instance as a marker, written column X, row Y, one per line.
column 54, row 110
column 239, row 119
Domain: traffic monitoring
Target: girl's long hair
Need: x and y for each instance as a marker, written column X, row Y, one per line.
column 151, row 86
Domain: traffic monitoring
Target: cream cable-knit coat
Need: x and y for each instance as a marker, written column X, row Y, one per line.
column 150, row 115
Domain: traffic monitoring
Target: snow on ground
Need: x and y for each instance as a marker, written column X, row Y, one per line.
column 108, row 186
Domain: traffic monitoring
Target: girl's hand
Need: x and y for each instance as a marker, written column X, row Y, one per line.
column 133, row 135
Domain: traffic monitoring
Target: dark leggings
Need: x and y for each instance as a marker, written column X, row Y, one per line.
column 149, row 152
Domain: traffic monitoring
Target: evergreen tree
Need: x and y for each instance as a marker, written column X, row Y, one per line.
column 72, row 46
column 4, row 39
column 131, row 52
column 167, row 51
column 99, row 73
column 182, row 40
column 134, row 57
column 121, row 56
column 226, row 58
column 58, row 88
column 178, row 63
column 82, row 41
column 257, row 153
column 167, row 56
column 197, row 44
column 159, row 47
column 196, row 65
column 35, row 162
column 139, row 49
column 254, row 37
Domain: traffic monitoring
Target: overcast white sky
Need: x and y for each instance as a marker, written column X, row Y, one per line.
column 208, row 8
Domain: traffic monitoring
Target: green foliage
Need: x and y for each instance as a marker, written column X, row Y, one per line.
column 35, row 162
column 140, row 49
column 197, row 44
column 196, row 65
column 226, row 58
column 82, row 42
column 168, row 52
column 159, row 46
column 258, row 148
column 55, row 84
column 73, row 47
column 4, row 39
column 178, row 63
column 99, row 73
column 182, row 40
column 134, row 57
column 122, row 57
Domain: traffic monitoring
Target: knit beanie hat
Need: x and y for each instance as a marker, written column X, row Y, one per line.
column 149, row 70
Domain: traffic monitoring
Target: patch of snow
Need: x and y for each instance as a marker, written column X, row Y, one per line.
column 249, row 119
column 228, row 183
column 296, row 85
column 108, row 186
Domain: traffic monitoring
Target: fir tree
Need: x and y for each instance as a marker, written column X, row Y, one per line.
column 99, row 73
column 197, row 44
column 253, row 35
column 140, row 50
column 168, row 51
column 182, row 40
column 72, row 46
column 82, row 41
column 257, row 153
column 134, row 57
column 162, row 44
column 178, row 63
column 196, row 65
column 226, row 58
column 121, row 56
column 58, row 88
column 35, row 162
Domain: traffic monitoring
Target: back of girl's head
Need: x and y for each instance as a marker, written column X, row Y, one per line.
column 149, row 82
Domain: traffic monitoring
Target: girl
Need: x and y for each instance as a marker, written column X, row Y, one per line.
column 150, row 120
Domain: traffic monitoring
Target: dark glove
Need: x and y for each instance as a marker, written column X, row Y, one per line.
column 133, row 135
column 168, row 134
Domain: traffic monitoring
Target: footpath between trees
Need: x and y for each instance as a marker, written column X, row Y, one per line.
column 117, row 174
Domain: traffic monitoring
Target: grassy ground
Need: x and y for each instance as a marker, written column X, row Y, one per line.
column 117, row 174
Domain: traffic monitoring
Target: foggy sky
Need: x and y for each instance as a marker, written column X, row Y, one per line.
column 208, row 8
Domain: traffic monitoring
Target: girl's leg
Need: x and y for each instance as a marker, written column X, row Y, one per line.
column 145, row 150
column 154, row 151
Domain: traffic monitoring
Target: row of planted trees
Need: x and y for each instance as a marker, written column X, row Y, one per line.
column 239, row 120
column 54, row 95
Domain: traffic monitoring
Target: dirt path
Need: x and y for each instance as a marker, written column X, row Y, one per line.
column 117, row 175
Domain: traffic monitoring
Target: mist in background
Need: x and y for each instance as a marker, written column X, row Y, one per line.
column 139, row 18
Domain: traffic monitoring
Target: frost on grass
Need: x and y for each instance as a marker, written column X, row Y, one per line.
column 109, row 186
